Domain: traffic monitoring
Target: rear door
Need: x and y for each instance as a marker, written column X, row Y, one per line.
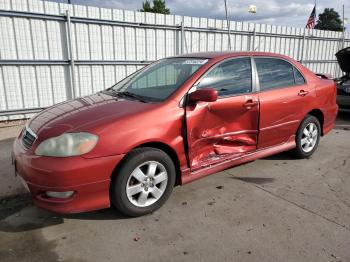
column 284, row 96
column 229, row 126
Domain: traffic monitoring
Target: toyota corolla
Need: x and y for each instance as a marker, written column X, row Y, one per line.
column 172, row 122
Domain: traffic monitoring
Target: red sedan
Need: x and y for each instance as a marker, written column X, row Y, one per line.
column 172, row 122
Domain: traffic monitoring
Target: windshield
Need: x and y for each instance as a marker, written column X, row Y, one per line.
column 158, row 81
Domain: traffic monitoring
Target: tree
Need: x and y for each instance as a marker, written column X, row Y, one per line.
column 146, row 7
column 329, row 20
column 158, row 7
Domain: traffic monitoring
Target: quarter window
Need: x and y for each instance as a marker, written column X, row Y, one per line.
column 274, row 73
column 299, row 79
column 230, row 77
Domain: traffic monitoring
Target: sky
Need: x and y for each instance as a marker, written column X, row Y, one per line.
column 282, row 12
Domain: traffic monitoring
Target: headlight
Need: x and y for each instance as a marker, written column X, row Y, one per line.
column 67, row 144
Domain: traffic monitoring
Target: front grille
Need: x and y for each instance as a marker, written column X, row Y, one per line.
column 27, row 138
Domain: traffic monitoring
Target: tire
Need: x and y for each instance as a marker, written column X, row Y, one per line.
column 307, row 137
column 143, row 182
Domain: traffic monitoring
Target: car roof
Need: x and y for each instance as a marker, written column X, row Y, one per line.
column 227, row 54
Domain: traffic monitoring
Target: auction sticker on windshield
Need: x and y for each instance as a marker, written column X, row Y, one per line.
column 195, row 62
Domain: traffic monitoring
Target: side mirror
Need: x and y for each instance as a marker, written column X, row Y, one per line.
column 204, row 95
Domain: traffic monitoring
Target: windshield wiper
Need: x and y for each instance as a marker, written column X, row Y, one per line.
column 110, row 91
column 132, row 95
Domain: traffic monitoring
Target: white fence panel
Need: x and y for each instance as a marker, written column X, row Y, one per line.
column 38, row 69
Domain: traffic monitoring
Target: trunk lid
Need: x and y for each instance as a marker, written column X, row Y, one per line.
column 343, row 57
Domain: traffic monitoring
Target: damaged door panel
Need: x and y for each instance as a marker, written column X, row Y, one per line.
column 227, row 127
column 222, row 129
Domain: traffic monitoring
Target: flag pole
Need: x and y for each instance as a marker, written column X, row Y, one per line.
column 315, row 10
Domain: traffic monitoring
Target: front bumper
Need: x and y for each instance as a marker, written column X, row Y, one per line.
column 88, row 178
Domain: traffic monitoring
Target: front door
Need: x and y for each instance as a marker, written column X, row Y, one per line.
column 227, row 127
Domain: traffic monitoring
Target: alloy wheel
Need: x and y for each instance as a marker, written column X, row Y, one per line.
column 309, row 137
column 146, row 184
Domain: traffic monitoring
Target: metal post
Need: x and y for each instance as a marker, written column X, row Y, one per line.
column 254, row 35
column 306, row 47
column 228, row 28
column 343, row 42
column 71, row 92
column 182, row 36
column 301, row 49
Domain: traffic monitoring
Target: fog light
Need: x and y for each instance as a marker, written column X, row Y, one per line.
column 53, row 194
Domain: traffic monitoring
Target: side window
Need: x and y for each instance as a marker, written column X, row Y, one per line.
column 299, row 79
column 230, row 77
column 274, row 73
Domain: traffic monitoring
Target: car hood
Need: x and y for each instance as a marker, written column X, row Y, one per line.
column 84, row 114
column 343, row 57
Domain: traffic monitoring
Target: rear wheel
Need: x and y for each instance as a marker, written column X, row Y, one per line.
column 307, row 137
column 144, row 182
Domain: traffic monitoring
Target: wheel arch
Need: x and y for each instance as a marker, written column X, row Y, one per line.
column 161, row 146
column 319, row 115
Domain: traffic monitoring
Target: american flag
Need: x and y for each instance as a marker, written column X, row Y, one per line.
column 311, row 22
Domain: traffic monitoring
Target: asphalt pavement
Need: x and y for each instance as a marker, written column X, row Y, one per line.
column 273, row 209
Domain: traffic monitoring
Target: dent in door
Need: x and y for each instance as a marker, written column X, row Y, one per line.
column 221, row 129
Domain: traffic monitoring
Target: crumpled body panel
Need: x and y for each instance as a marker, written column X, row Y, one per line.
column 220, row 130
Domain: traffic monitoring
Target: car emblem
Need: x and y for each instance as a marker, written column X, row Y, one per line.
column 347, row 90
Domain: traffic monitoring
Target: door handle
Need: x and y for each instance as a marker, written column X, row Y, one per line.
column 303, row 93
column 250, row 103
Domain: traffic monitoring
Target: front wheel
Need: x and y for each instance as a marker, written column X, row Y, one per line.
column 143, row 182
column 307, row 137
